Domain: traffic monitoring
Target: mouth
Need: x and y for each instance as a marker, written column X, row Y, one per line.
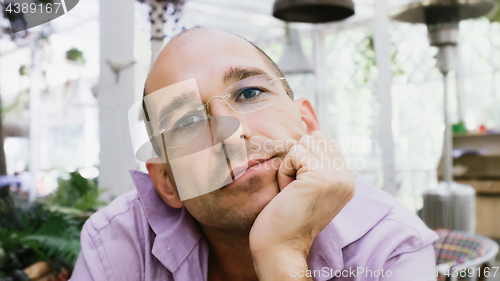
column 242, row 172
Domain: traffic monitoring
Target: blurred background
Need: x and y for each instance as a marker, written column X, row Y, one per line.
column 66, row 87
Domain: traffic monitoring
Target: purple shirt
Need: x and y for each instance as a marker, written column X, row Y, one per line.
column 139, row 237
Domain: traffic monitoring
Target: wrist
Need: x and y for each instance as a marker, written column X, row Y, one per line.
column 279, row 264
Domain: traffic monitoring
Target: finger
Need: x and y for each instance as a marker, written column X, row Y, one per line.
column 293, row 165
column 311, row 144
column 322, row 138
column 332, row 147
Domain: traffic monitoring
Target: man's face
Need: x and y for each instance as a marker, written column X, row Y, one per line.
column 216, row 60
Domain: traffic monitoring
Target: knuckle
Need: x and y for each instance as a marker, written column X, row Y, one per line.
column 306, row 139
column 296, row 149
column 317, row 133
column 297, row 153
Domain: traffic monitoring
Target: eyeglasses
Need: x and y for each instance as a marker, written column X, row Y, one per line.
column 248, row 95
column 190, row 120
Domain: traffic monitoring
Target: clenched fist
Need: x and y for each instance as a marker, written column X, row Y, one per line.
column 315, row 184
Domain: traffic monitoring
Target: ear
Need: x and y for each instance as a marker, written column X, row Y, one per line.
column 308, row 115
column 162, row 183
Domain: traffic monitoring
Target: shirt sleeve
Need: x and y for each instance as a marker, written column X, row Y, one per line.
column 419, row 265
column 392, row 251
column 89, row 266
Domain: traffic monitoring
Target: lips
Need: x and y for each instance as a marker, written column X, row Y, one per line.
column 239, row 171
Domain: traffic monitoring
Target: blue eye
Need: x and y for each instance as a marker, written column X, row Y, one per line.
column 249, row 93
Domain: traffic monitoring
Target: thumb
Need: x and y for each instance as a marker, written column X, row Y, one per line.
column 284, row 180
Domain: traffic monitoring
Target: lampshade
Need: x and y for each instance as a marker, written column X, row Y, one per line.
column 313, row 11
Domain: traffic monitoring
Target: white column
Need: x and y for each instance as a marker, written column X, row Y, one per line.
column 496, row 69
column 34, row 105
column 320, row 93
column 384, row 84
column 459, row 83
column 116, row 95
column 448, row 139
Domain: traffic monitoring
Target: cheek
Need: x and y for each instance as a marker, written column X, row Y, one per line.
column 279, row 121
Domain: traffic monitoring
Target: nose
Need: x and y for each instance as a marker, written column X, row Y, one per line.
column 216, row 106
column 224, row 125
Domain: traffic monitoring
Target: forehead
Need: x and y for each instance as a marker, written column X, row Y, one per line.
column 205, row 57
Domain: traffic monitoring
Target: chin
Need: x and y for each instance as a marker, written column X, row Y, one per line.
column 247, row 207
column 235, row 208
column 251, row 200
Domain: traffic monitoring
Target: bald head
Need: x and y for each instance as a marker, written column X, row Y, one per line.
column 214, row 58
column 199, row 35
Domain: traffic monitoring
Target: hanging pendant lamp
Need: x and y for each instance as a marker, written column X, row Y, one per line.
column 313, row 11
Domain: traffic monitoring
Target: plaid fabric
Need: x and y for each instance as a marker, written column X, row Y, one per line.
column 457, row 247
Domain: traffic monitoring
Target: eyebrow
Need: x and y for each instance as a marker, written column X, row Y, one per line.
column 232, row 75
column 239, row 73
column 177, row 102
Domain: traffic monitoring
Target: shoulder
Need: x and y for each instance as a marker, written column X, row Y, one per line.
column 121, row 237
column 120, row 231
column 120, row 228
column 114, row 236
column 370, row 230
column 375, row 220
column 125, row 211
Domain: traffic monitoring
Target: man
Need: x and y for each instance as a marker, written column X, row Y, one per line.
column 295, row 220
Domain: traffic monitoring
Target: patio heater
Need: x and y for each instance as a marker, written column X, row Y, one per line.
column 451, row 205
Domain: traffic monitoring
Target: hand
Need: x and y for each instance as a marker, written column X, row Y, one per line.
column 318, row 185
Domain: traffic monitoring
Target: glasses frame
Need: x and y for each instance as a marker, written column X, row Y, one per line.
column 206, row 105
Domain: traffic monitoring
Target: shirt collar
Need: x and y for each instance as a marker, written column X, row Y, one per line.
column 175, row 229
column 177, row 234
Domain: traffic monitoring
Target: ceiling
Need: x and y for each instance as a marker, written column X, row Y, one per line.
column 250, row 19
column 253, row 19
column 79, row 28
